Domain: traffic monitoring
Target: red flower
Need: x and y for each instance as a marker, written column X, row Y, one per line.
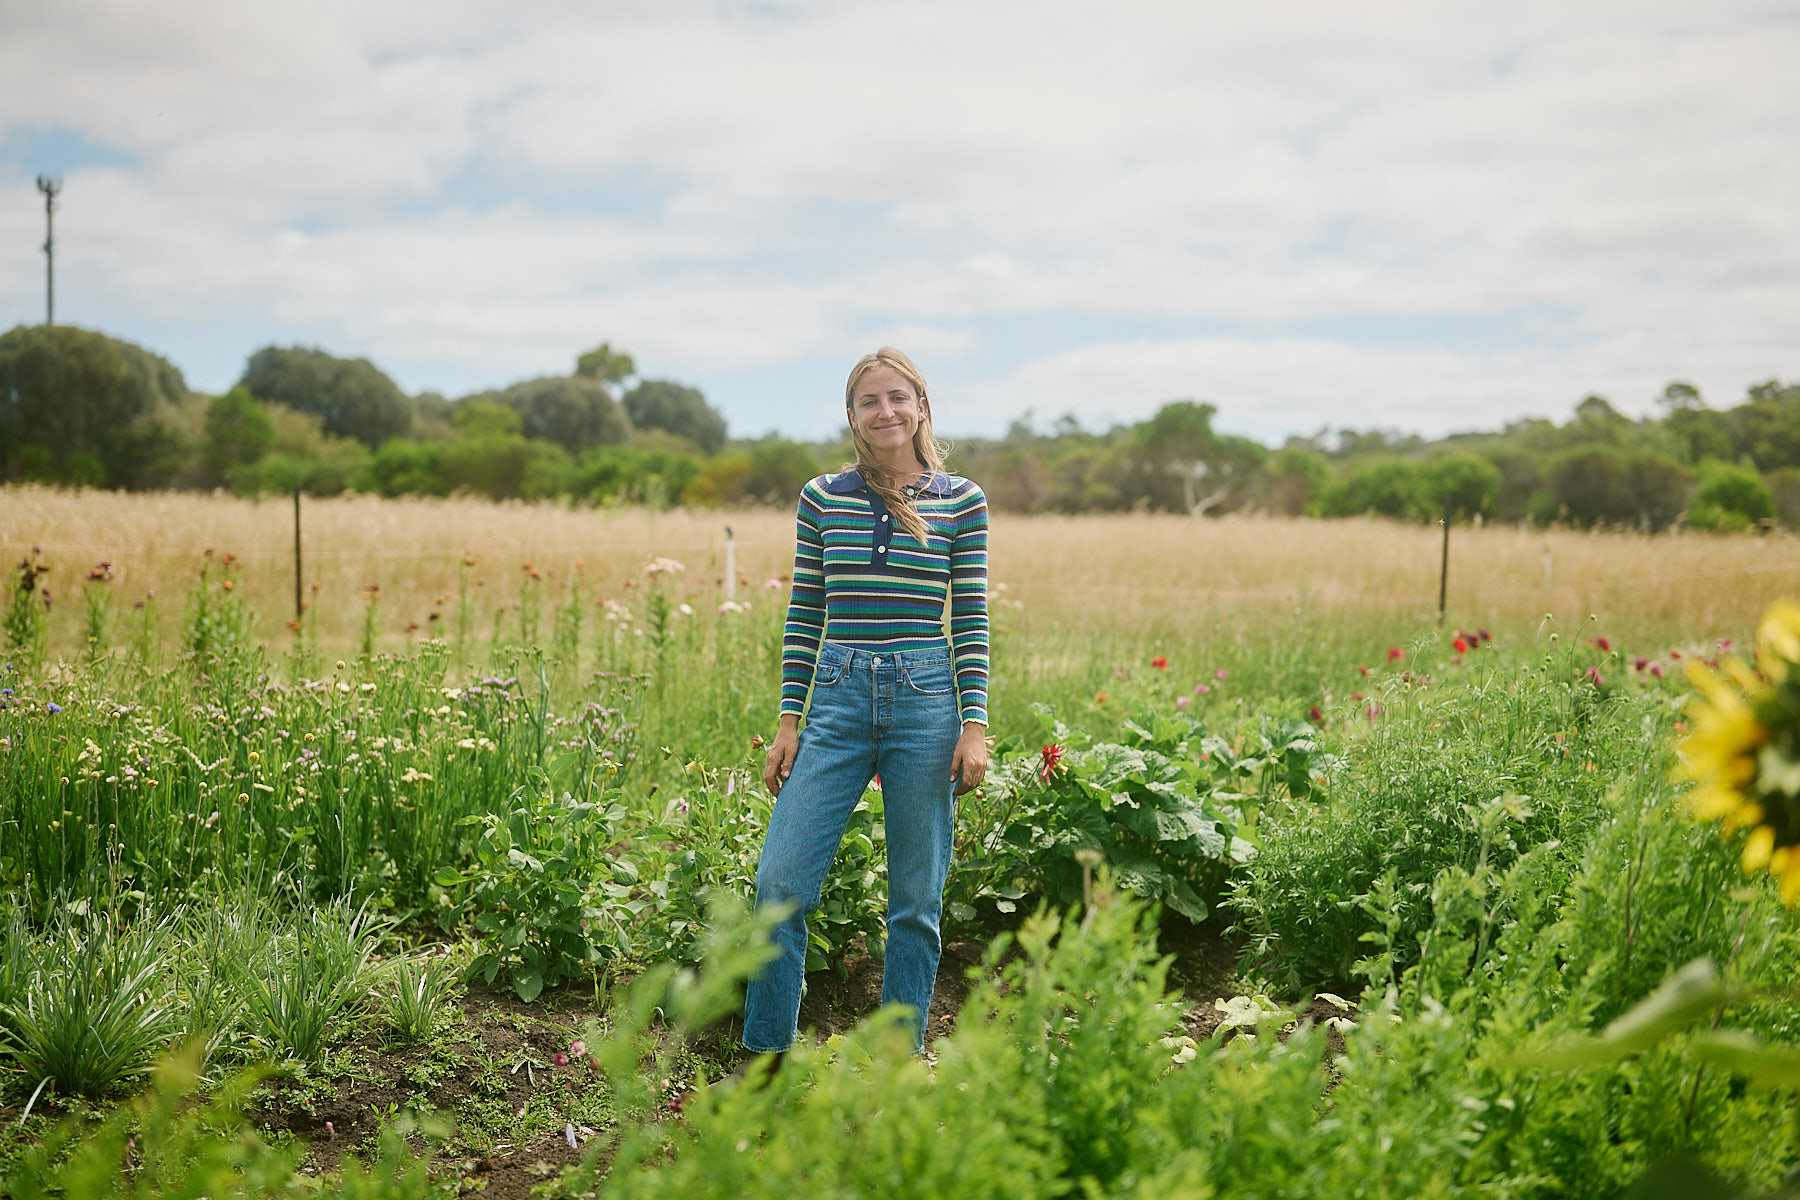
column 1396, row 654
column 1357, row 696
column 1460, row 645
column 1674, row 654
column 1656, row 669
column 1601, row 644
column 1724, row 645
column 1315, row 716
column 1160, row 663
column 1484, row 635
column 1595, row 677
column 1051, row 765
column 1640, row 662
column 1361, row 670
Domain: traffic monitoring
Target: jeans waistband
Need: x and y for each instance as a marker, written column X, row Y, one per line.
column 854, row 657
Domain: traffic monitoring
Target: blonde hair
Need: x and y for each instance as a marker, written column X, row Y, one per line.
column 931, row 452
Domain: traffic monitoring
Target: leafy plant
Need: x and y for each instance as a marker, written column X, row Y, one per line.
column 306, row 981
column 1152, row 806
column 95, row 1007
column 418, row 998
column 548, row 897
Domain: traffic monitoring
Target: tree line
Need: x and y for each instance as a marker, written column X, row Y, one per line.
column 80, row 408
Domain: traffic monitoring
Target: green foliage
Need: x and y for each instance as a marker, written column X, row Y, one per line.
column 1388, row 488
column 575, row 412
column 1414, row 799
column 1729, row 497
column 682, row 411
column 1160, row 810
column 1600, row 485
column 418, row 999
column 307, row 979
column 653, row 476
column 90, row 1006
column 352, row 397
column 770, row 471
column 546, row 891
column 605, row 364
column 238, row 431
column 1297, row 476
column 97, row 410
column 166, row 1145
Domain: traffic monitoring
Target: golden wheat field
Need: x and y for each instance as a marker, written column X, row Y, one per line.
column 1155, row 573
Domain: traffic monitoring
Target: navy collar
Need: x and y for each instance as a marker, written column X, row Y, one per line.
column 849, row 481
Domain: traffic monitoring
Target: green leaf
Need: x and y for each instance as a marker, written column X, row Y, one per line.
column 445, row 877
column 1683, row 998
column 528, row 984
column 1746, row 1054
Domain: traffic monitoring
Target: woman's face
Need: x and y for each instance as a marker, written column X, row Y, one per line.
column 885, row 409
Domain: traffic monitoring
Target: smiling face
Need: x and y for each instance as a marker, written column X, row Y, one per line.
column 885, row 410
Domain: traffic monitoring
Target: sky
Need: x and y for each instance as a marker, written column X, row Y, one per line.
column 1419, row 216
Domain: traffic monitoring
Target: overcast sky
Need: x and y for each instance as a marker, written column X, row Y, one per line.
column 1428, row 216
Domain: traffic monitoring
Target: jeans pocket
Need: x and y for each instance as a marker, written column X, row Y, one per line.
column 932, row 679
column 827, row 674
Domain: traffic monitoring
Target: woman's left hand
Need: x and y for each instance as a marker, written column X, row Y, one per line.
column 968, row 766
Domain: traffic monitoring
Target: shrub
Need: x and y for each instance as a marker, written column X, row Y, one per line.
column 1729, row 497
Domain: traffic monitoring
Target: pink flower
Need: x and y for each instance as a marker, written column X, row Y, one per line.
column 1181, row 702
column 1221, row 673
column 560, row 1059
column 578, row 1049
column 1051, row 764
column 1200, row 689
column 1724, row 645
column 1595, row 677
column 1640, row 662
column 1656, row 669
column 1396, row 654
column 1601, row 644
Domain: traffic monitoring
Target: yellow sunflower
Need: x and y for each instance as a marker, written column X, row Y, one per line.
column 1742, row 749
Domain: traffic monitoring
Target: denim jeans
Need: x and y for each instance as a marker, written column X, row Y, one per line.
column 894, row 714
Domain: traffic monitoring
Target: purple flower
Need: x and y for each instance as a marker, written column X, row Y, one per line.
column 53, row 706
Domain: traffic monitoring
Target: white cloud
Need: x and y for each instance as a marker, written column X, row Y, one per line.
column 1609, row 185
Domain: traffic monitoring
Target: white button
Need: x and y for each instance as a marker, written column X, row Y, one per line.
column 878, row 661
column 884, row 516
column 881, row 549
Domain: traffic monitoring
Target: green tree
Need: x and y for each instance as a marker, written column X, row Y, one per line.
column 605, row 364
column 1601, row 485
column 1727, row 496
column 1388, row 487
column 484, row 418
column 1298, row 475
column 73, row 392
column 238, row 431
column 351, row 396
column 682, row 411
column 575, row 412
column 1471, row 482
column 1181, row 441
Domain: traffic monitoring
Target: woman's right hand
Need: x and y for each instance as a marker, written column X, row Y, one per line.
column 780, row 762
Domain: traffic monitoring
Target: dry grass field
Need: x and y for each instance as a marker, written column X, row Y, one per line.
column 1158, row 575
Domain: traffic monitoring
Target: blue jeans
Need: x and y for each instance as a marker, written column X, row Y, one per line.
column 893, row 714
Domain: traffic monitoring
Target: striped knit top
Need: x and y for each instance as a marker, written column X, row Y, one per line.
column 863, row 581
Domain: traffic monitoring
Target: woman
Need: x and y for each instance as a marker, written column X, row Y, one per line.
column 878, row 546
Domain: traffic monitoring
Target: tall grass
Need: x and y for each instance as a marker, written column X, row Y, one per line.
column 1161, row 576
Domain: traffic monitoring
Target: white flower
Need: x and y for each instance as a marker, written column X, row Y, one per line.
column 686, row 610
